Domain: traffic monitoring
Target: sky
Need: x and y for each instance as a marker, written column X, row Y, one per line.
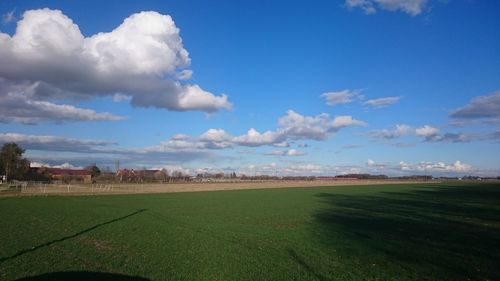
column 254, row 87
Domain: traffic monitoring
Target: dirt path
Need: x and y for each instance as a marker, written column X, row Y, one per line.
column 184, row 187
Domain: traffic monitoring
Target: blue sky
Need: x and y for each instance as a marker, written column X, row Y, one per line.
column 400, row 87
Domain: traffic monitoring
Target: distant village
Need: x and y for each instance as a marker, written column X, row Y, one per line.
column 13, row 167
column 93, row 174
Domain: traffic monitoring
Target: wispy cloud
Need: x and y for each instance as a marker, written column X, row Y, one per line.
column 372, row 164
column 54, row 143
column 398, row 131
column 289, row 152
column 411, row 7
column 121, row 97
column 481, row 107
column 65, row 165
column 9, row 17
column 429, row 134
column 382, row 102
column 349, row 96
column 21, row 109
column 341, row 97
column 439, row 168
column 426, row 131
column 351, row 146
column 456, row 167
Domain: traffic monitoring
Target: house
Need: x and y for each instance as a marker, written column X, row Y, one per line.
column 126, row 175
column 66, row 175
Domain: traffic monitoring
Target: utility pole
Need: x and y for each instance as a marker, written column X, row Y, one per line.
column 7, row 171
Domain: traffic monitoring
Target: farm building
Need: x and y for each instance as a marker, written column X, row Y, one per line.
column 66, row 175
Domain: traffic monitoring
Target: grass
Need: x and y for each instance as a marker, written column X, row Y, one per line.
column 403, row 232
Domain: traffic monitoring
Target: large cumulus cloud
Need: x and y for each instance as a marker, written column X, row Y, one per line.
column 48, row 59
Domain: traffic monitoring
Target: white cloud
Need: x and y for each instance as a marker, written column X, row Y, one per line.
column 294, row 152
column 296, row 126
column 180, row 137
column 348, row 96
column 185, row 74
column 120, row 97
column 174, row 168
column 425, row 167
column 289, row 152
column 366, row 5
column 402, row 129
column 341, row 97
column 456, row 167
column 181, row 147
column 173, row 145
column 219, row 139
column 437, row 168
column 143, row 58
column 411, row 7
column 282, row 144
column 426, row 131
column 372, row 164
column 398, row 131
column 65, row 165
column 382, row 102
column 292, row 126
column 297, row 169
column 216, row 138
column 430, row 134
column 215, row 135
column 255, row 138
column 304, row 169
column 343, row 121
column 194, row 98
column 404, row 166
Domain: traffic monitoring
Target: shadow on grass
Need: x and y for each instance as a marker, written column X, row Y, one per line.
column 452, row 232
column 82, row 275
column 38, row 247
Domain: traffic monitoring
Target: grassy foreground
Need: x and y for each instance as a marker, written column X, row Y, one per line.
column 404, row 232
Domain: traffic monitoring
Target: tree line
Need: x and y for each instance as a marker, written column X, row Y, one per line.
column 12, row 164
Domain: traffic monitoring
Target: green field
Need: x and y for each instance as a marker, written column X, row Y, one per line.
column 392, row 232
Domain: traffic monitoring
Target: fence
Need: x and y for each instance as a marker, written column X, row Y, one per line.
column 37, row 188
